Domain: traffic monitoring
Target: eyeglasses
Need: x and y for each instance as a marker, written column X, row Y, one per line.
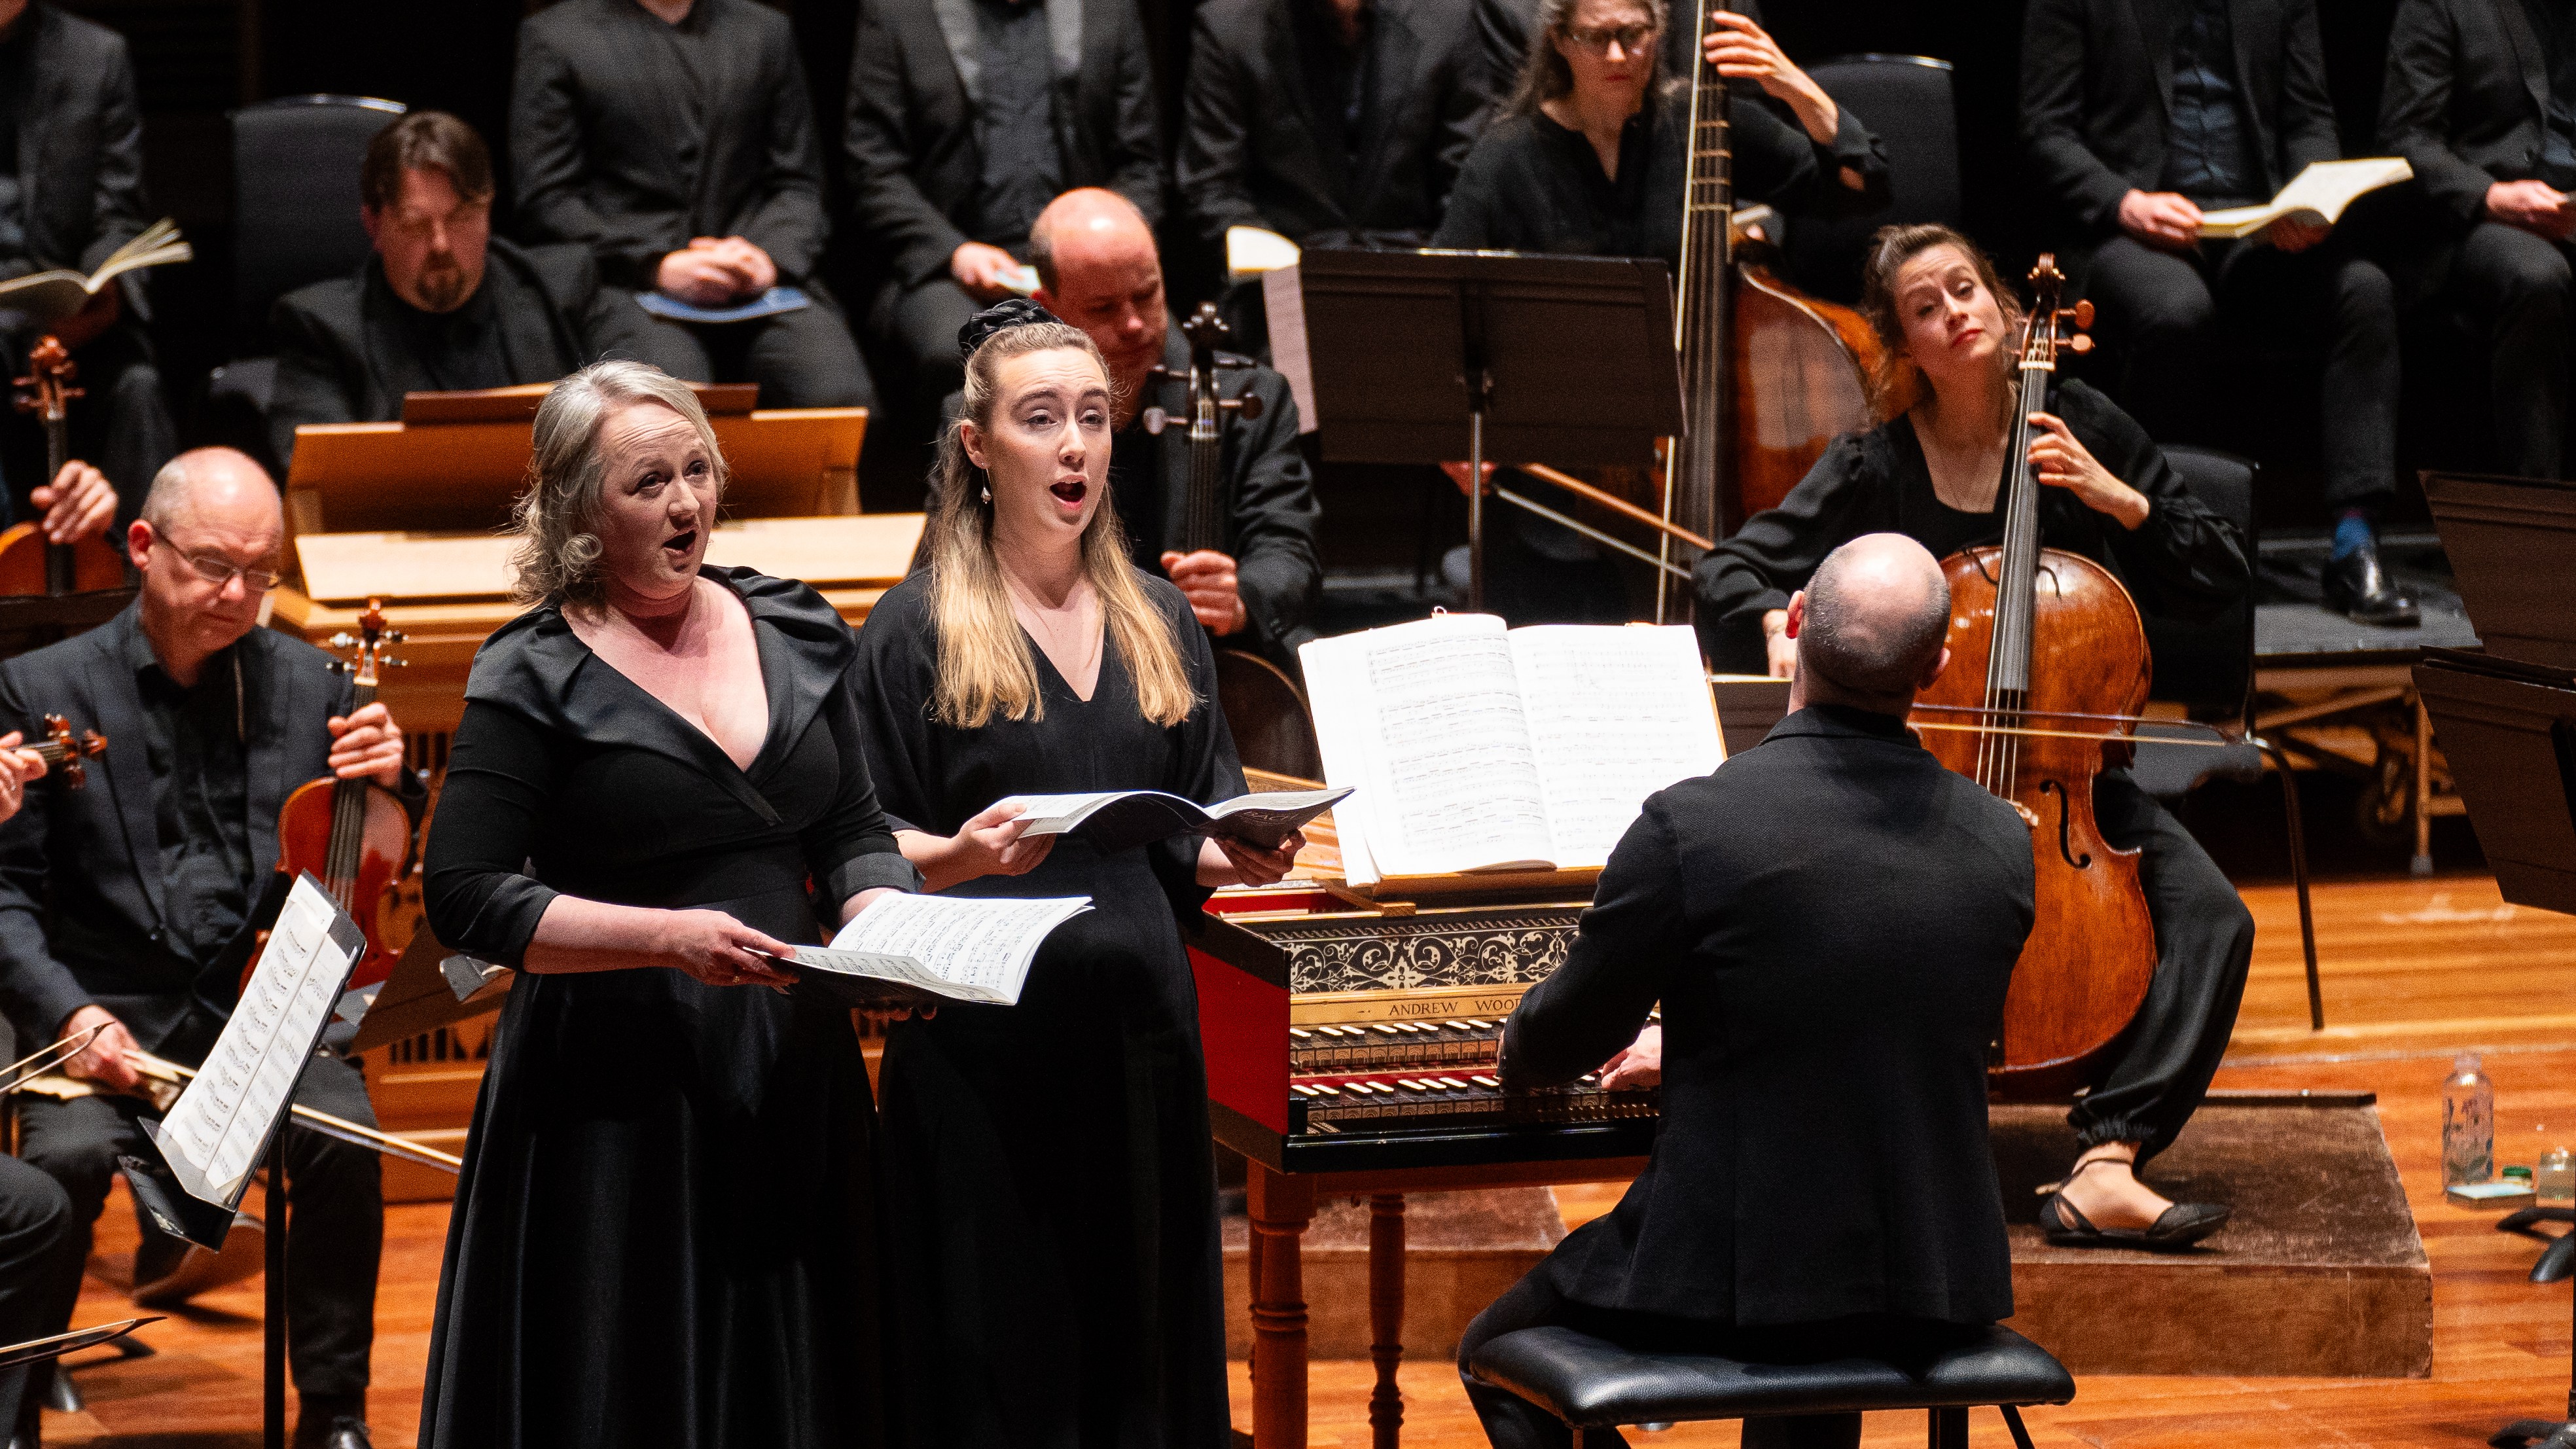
column 1596, row 39
column 220, row 572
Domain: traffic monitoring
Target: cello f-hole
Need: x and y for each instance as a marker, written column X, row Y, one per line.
column 2065, row 826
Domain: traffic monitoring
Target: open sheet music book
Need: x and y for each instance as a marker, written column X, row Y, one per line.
column 42, row 299
column 1115, row 820
column 1477, row 747
column 2318, row 193
column 964, row 948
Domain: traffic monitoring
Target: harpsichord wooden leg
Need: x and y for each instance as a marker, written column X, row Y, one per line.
column 1386, row 1316
column 1279, row 1206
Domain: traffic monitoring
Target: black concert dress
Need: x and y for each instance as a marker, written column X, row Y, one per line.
column 665, row 1234
column 1051, row 1200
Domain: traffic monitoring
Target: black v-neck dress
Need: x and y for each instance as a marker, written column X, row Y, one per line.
column 1051, row 1229
column 665, row 1232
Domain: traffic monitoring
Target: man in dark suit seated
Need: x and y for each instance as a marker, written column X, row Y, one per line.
column 131, row 906
column 2136, row 119
column 39, row 1280
column 2480, row 98
column 1330, row 122
column 71, row 193
column 676, row 140
column 958, row 137
column 443, row 305
column 1257, row 588
column 1830, row 921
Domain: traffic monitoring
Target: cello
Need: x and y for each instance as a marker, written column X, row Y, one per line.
column 352, row 834
column 2048, row 670
column 28, row 563
column 1264, row 709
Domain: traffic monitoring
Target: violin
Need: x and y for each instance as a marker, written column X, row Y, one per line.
column 1264, row 709
column 29, row 564
column 352, row 834
column 63, row 754
column 2041, row 640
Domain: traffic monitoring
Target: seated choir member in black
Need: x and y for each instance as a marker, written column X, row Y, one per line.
column 71, row 192
column 676, row 140
column 39, row 1277
column 664, row 1233
column 1098, row 270
column 132, row 904
column 1051, row 1199
column 1330, row 122
column 1933, row 472
column 2480, row 98
column 966, row 117
column 443, row 305
column 1830, row 922
column 2133, row 136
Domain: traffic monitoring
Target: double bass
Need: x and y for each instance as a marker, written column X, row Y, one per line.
column 352, row 834
column 2048, row 670
column 28, row 563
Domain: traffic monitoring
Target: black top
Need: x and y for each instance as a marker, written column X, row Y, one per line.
column 1016, row 128
column 2210, row 157
column 1327, row 144
column 89, row 913
column 79, row 150
column 1532, row 185
column 2184, row 562
column 631, row 135
column 2557, row 31
column 193, row 737
column 1830, row 921
column 2098, row 83
column 2464, row 100
column 348, row 349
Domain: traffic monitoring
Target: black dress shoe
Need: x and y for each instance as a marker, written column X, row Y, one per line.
column 2357, row 587
column 2177, row 1227
column 346, row 1431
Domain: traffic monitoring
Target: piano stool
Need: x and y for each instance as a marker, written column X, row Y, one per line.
column 1590, row 1383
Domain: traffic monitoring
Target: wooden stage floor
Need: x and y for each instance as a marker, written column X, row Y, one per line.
column 2414, row 971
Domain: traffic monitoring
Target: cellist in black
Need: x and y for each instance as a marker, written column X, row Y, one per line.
column 1933, row 471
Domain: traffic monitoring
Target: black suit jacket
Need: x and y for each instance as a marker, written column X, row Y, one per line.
column 1830, row 921
column 2464, row 99
column 914, row 159
column 343, row 355
column 2097, row 94
column 80, row 151
column 1250, row 155
column 80, row 870
column 610, row 152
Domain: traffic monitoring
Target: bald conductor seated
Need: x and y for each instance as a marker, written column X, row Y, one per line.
column 131, row 906
column 1830, row 921
column 1255, row 586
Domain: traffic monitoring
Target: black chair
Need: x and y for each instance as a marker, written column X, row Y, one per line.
column 295, row 222
column 1906, row 100
column 2208, row 668
column 2557, row 1263
column 1590, row 1383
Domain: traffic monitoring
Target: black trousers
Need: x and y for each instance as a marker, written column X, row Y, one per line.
column 39, row 1278
column 121, row 425
column 2162, row 1065
column 2163, row 309
column 335, row 1199
column 2514, row 287
column 1512, row 1422
column 801, row 359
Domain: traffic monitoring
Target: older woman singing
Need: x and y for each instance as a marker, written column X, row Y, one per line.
column 663, row 1234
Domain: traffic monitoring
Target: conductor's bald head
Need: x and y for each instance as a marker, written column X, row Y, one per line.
column 1870, row 625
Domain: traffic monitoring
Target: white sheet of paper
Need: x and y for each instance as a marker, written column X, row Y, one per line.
column 1615, row 714
column 214, row 1135
column 972, row 947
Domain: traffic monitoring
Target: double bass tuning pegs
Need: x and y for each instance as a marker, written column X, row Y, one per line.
column 1247, row 407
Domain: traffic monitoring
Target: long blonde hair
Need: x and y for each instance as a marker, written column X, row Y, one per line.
column 986, row 666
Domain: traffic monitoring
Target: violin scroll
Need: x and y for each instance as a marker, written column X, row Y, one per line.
column 65, row 753
column 50, row 370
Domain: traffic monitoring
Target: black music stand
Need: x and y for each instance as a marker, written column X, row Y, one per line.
column 1430, row 356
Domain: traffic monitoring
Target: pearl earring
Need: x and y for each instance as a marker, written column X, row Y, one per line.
column 988, row 492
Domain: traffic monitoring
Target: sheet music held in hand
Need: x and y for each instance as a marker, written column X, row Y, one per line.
column 1116, row 820
column 222, row 1123
column 965, row 948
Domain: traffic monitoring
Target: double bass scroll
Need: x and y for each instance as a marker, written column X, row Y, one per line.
column 29, row 563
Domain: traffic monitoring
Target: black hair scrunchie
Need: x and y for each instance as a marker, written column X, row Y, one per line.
column 1002, row 316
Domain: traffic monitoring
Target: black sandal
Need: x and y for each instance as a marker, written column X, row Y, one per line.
column 2176, row 1228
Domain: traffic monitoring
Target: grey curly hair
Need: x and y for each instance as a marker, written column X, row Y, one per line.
column 557, row 515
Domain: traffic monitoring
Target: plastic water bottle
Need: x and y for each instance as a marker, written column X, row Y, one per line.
column 2556, row 1180
column 2468, row 1124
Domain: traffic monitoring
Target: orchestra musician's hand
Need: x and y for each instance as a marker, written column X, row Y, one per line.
column 105, row 1059
column 78, row 503
column 2534, row 206
column 1779, row 646
column 17, row 768
column 2063, row 461
column 2294, row 235
column 719, row 950
column 1207, row 579
column 2161, row 219
column 1224, row 862
column 701, row 276
column 979, row 269
column 1639, row 1064
column 96, row 316
column 1458, row 474
column 1743, row 50
column 367, row 745
column 989, row 844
